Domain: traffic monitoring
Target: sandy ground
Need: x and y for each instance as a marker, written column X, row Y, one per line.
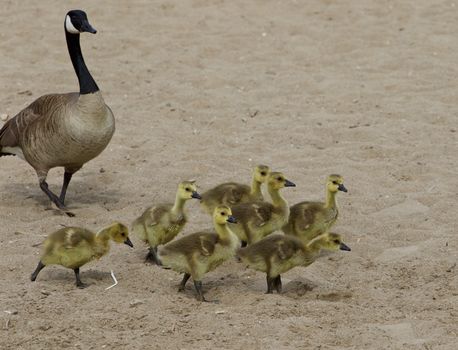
column 205, row 90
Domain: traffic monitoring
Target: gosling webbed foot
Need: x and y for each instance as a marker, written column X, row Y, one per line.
column 79, row 283
column 277, row 284
column 185, row 279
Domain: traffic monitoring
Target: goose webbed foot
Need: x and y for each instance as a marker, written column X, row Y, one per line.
column 56, row 200
column 35, row 273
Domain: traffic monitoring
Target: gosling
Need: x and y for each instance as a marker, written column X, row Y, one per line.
column 232, row 193
column 72, row 247
column 308, row 220
column 277, row 254
column 201, row 252
column 163, row 222
column 256, row 220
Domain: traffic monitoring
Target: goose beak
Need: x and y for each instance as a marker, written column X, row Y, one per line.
column 342, row 188
column 196, row 195
column 289, row 183
column 231, row 219
column 86, row 27
column 128, row 242
column 343, row 246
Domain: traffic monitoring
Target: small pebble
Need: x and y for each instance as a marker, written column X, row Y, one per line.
column 4, row 117
column 44, row 292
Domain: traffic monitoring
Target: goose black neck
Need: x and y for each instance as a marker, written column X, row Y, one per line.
column 87, row 83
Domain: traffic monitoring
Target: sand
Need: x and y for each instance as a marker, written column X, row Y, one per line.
column 206, row 90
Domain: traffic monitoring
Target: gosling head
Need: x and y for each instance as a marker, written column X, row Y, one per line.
column 335, row 183
column 222, row 215
column 261, row 173
column 120, row 234
column 277, row 181
column 76, row 22
column 332, row 242
column 188, row 190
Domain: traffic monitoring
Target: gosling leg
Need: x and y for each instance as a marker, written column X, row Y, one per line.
column 35, row 273
column 152, row 257
column 244, row 244
column 183, row 282
column 270, row 284
column 79, row 283
column 277, row 284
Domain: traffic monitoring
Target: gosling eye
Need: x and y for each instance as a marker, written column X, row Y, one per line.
column 263, row 173
column 223, row 213
column 188, row 189
column 335, row 182
column 279, row 179
column 336, row 241
column 123, row 234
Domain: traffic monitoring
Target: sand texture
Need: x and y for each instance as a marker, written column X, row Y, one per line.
column 206, row 90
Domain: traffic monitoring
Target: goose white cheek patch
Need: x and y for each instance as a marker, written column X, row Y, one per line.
column 69, row 27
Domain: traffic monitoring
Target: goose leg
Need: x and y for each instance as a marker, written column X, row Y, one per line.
column 277, row 284
column 79, row 283
column 183, row 282
column 35, row 273
column 63, row 192
column 45, row 188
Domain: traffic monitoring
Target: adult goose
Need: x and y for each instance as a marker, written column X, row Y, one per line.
column 62, row 130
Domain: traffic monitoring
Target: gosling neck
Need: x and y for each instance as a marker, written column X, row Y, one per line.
column 178, row 206
column 277, row 199
column 315, row 246
column 255, row 188
column 103, row 237
column 86, row 82
column 331, row 202
column 223, row 230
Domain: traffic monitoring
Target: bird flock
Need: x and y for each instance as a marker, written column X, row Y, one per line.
column 68, row 130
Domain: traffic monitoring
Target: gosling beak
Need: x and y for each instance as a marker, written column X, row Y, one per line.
column 342, row 188
column 343, row 246
column 231, row 219
column 289, row 183
column 128, row 242
column 196, row 195
column 86, row 27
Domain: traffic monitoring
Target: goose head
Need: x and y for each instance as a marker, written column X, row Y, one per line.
column 76, row 22
column 334, row 183
column 261, row 173
column 222, row 215
column 277, row 181
column 188, row 190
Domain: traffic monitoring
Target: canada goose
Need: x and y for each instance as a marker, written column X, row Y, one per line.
column 277, row 254
column 198, row 253
column 161, row 223
column 62, row 130
column 232, row 193
column 310, row 219
column 73, row 247
column 256, row 220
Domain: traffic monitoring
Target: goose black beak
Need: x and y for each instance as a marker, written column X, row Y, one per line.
column 289, row 183
column 232, row 219
column 128, row 242
column 342, row 188
column 86, row 27
column 196, row 195
column 343, row 246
